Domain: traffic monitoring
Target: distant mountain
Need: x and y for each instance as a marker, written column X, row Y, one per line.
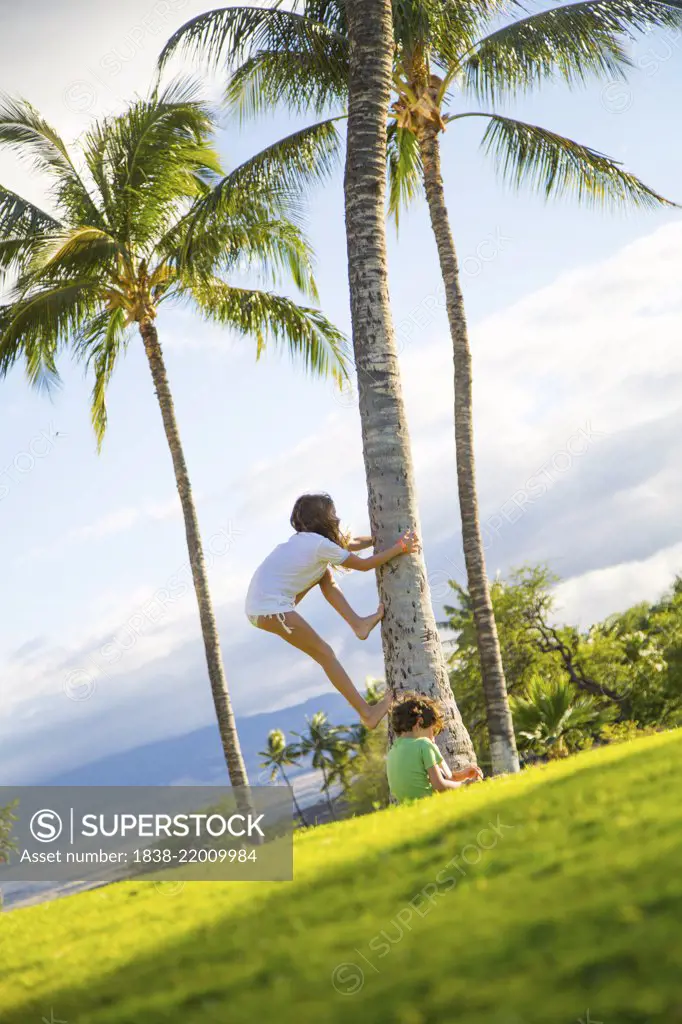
column 196, row 758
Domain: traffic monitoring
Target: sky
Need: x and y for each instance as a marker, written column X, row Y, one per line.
column 575, row 319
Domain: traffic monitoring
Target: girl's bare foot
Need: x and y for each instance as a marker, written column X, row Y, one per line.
column 375, row 712
column 367, row 624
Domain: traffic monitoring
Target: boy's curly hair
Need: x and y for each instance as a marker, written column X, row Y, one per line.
column 411, row 707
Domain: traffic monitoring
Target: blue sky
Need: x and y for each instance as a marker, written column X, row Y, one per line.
column 575, row 319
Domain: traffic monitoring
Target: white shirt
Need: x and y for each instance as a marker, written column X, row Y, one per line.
column 290, row 569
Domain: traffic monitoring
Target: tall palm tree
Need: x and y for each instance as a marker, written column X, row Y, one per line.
column 148, row 218
column 412, row 650
column 444, row 52
column 278, row 756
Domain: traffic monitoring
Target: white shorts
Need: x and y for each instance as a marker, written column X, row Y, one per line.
column 253, row 619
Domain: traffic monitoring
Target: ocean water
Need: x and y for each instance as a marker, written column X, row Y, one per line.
column 25, row 894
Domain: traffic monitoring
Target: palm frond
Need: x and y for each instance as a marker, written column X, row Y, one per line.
column 49, row 316
column 551, row 163
column 447, row 28
column 162, row 278
column 158, row 157
column 79, row 251
column 414, row 21
column 283, row 246
column 275, row 248
column 24, row 131
column 20, row 217
column 300, row 81
column 22, row 227
column 331, row 13
column 404, row 170
column 100, row 342
column 39, row 359
column 573, row 42
column 227, row 35
column 272, row 182
column 306, row 333
column 290, row 167
column 95, row 145
column 33, row 329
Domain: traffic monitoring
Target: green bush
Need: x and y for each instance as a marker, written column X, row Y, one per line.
column 7, row 819
column 554, row 719
column 369, row 789
column 622, row 732
column 7, row 846
column 632, row 661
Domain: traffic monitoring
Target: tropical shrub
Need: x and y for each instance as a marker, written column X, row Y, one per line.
column 552, row 716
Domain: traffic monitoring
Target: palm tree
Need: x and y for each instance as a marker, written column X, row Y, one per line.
column 412, row 649
column 324, row 743
column 342, row 768
column 151, row 218
column 551, row 712
column 280, row 754
column 374, row 690
column 302, row 58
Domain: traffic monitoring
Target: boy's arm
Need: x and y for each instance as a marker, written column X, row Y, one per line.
column 441, row 778
column 469, row 774
column 461, row 775
column 439, row 782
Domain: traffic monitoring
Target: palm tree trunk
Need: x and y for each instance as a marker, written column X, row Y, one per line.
column 500, row 728
column 293, row 797
column 216, row 672
column 327, row 793
column 412, row 649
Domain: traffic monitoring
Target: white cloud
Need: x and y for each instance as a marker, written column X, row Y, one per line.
column 584, row 599
column 114, row 523
column 598, row 349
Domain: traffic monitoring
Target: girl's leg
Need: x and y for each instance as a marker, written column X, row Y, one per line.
column 304, row 637
column 361, row 625
column 299, row 597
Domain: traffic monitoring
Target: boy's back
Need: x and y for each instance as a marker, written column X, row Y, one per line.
column 407, row 766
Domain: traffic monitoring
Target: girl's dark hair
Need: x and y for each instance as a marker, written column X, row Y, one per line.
column 411, row 707
column 315, row 513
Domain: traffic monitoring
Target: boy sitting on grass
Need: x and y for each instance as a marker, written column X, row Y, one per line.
column 415, row 766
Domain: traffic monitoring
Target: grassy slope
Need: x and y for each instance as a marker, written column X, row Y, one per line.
column 578, row 905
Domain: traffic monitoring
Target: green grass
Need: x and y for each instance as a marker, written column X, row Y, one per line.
column 576, row 904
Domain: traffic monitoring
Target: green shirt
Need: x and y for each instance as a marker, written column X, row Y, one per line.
column 407, row 766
